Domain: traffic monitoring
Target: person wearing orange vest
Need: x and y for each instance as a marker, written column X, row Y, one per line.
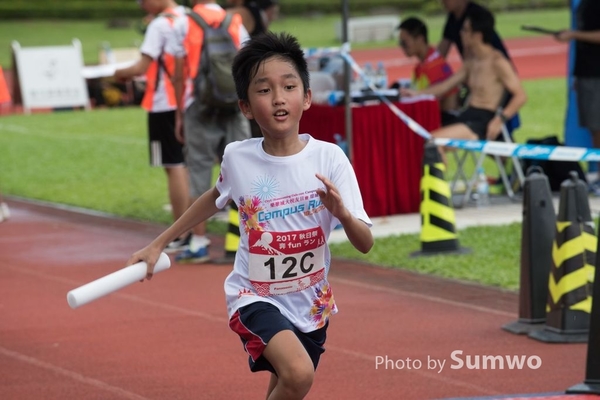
column 206, row 131
column 159, row 100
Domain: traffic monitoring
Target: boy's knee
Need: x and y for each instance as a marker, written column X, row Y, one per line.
column 298, row 379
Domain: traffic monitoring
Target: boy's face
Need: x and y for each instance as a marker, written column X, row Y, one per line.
column 276, row 98
column 466, row 34
column 408, row 43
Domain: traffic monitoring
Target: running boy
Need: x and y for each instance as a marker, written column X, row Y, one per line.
column 292, row 191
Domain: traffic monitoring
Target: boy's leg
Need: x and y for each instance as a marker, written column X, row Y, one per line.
column 272, row 384
column 295, row 370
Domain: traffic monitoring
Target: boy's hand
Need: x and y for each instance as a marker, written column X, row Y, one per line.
column 331, row 199
column 564, row 36
column 148, row 255
column 408, row 92
column 494, row 128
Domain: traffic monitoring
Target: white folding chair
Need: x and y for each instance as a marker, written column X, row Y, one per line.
column 511, row 184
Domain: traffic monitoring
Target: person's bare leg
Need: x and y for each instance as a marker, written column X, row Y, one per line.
column 295, row 370
column 272, row 384
column 454, row 131
column 177, row 186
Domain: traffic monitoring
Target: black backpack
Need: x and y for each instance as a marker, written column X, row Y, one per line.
column 213, row 84
column 556, row 171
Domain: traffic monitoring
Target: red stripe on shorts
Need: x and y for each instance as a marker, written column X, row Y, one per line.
column 252, row 343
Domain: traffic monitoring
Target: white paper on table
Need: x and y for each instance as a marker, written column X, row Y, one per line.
column 114, row 281
column 103, row 70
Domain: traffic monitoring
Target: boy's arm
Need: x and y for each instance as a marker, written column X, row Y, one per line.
column 581, row 36
column 507, row 75
column 512, row 83
column 137, row 69
column 178, row 81
column 440, row 89
column 444, row 47
column 357, row 231
column 202, row 209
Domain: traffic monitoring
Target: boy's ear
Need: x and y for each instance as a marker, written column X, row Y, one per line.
column 307, row 99
column 246, row 110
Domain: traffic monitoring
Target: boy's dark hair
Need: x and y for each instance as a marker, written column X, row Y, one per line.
column 482, row 20
column 415, row 28
column 258, row 49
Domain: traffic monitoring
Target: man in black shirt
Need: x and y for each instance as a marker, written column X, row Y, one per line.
column 457, row 12
column 587, row 68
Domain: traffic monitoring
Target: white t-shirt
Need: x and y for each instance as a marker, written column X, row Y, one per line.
column 155, row 41
column 283, row 257
column 176, row 48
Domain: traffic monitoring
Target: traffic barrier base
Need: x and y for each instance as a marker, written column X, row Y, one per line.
column 537, row 234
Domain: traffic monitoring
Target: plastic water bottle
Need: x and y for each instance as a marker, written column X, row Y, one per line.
column 381, row 74
column 336, row 97
column 110, row 56
column 341, row 142
column 482, row 189
column 368, row 76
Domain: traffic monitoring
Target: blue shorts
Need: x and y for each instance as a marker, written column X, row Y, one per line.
column 258, row 322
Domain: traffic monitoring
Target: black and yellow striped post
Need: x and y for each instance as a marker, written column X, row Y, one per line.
column 591, row 384
column 537, row 236
column 572, row 269
column 438, row 230
column 232, row 237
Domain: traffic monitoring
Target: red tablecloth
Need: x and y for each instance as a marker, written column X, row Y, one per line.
column 387, row 154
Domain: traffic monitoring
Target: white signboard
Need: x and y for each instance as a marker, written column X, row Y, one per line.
column 50, row 77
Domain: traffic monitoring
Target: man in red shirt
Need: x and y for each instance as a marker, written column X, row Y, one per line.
column 432, row 67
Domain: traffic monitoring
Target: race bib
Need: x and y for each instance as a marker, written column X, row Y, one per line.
column 286, row 262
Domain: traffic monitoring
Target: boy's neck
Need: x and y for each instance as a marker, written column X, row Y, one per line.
column 283, row 147
column 481, row 50
column 422, row 53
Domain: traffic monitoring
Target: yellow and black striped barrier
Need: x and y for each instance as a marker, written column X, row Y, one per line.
column 537, row 237
column 572, row 269
column 232, row 236
column 591, row 384
column 438, row 222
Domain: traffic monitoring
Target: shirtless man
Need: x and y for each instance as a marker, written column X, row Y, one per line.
column 489, row 75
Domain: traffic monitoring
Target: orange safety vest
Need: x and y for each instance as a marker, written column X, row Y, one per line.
column 152, row 77
column 195, row 35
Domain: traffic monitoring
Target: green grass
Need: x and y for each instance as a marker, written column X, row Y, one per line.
column 311, row 31
column 494, row 259
column 95, row 160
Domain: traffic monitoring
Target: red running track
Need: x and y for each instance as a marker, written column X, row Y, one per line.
column 169, row 339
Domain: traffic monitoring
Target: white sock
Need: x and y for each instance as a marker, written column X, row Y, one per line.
column 198, row 242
